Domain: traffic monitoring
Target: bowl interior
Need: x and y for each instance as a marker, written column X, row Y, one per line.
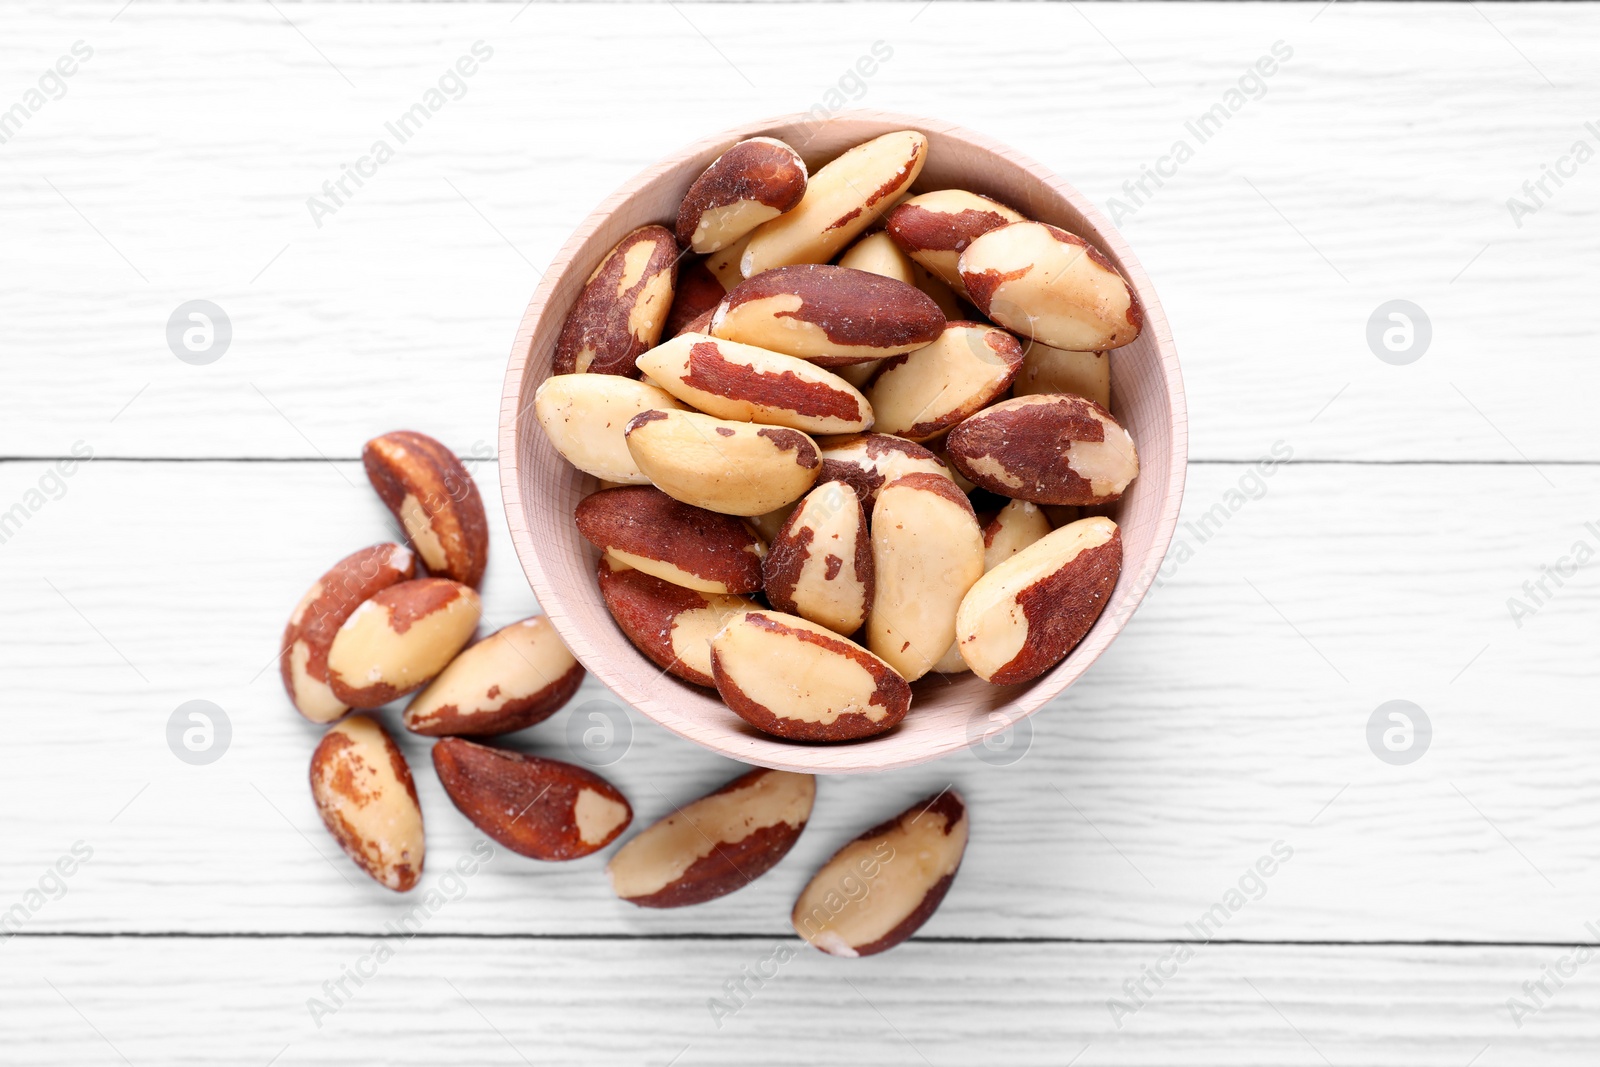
column 948, row 712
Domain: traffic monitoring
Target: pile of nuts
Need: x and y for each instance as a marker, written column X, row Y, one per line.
column 794, row 481
column 371, row 630
column 858, row 456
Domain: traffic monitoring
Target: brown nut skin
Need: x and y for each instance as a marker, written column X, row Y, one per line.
column 1024, row 616
column 541, row 808
column 798, row 680
column 752, row 182
column 907, row 863
column 623, row 307
column 1049, row 448
column 399, row 639
column 935, row 228
column 921, row 395
column 866, row 462
column 516, row 677
column 317, row 618
column 435, row 501
column 698, row 293
column 717, row 844
column 671, row 625
column 1053, row 286
column 819, row 566
column 680, row 543
column 832, row 316
column 363, row 791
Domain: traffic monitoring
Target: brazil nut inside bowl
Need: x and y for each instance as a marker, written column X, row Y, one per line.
column 966, row 348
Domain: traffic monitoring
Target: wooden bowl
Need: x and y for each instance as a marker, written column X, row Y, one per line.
column 948, row 713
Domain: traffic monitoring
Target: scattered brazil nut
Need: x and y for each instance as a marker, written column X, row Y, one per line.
column 399, row 639
column 1053, row 286
column 517, row 676
column 584, row 416
column 435, row 501
column 820, row 564
column 1053, row 370
column 866, row 462
column 736, row 468
column 935, row 228
column 833, row 316
column 921, row 395
column 717, row 844
column 671, row 625
column 744, row 383
column 754, row 181
column 1050, row 448
column 794, row 679
column 364, row 793
column 536, row 807
column 927, row 551
column 317, row 618
column 677, row 542
column 623, row 306
column 876, row 253
column 1023, row 617
column 880, row 888
column 841, row 201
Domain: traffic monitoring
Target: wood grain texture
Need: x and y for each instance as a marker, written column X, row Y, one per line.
column 541, row 489
column 1391, row 141
column 580, row 1002
column 1211, row 730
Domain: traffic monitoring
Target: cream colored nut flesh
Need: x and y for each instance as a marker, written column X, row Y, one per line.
column 515, row 677
column 876, row 253
column 1021, row 618
column 880, row 888
column 841, row 201
column 767, row 526
column 859, row 374
column 584, row 415
column 792, row 678
column 935, row 228
column 927, row 551
column 820, row 564
column 921, row 395
column 1045, row 283
column 724, row 264
column 364, row 793
column 1018, row 525
column 744, row 383
column 714, row 845
column 400, row 639
column 736, row 468
column 1052, row 370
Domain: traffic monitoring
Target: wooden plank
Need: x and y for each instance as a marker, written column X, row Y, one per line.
column 1361, row 176
column 71, row 1001
column 1232, row 714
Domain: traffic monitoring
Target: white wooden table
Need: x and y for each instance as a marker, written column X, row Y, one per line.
column 1422, row 903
